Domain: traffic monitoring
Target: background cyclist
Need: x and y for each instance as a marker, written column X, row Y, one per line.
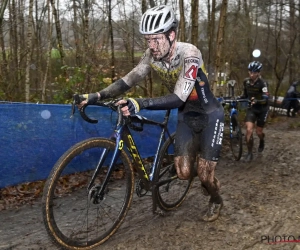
column 256, row 90
column 200, row 115
column 290, row 100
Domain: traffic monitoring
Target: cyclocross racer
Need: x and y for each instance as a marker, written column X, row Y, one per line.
column 200, row 126
column 256, row 90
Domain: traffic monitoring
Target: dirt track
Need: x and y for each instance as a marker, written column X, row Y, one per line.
column 261, row 206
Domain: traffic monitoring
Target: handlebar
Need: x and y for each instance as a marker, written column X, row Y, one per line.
column 232, row 99
column 235, row 100
column 111, row 105
column 76, row 101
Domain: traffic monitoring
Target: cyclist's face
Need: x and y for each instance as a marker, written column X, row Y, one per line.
column 158, row 44
column 253, row 75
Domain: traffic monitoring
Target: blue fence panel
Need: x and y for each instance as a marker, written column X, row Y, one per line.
column 34, row 136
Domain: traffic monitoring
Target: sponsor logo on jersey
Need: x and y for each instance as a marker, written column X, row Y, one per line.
column 191, row 65
column 187, row 87
column 203, row 95
column 265, row 89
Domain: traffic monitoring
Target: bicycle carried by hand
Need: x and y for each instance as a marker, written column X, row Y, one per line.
column 235, row 131
column 90, row 188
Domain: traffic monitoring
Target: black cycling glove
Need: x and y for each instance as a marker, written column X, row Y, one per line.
column 133, row 106
column 91, row 98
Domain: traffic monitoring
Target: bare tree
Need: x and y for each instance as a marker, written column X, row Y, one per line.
column 282, row 56
column 292, row 34
column 29, row 46
column 210, row 34
column 48, row 64
column 220, row 43
column 181, row 31
column 58, row 32
column 112, row 62
column 3, row 62
column 2, row 9
column 76, row 35
column 194, row 21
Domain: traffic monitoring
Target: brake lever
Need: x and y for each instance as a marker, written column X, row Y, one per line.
column 76, row 100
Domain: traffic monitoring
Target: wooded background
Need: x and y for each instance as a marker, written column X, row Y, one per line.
column 53, row 49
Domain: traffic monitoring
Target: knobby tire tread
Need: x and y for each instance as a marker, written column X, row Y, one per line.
column 57, row 237
column 161, row 202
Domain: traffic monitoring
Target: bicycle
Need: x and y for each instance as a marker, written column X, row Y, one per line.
column 84, row 206
column 235, row 131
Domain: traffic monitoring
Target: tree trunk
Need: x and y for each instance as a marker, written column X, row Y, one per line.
column 48, row 60
column 29, row 51
column 194, row 21
column 181, row 31
column 249, row 29
column 112, row 62
column 58, row 32
column 291, row 38
column 2, row 9
column 78, row 53
column 210, row 35
column 3, row 62
column 219, row 48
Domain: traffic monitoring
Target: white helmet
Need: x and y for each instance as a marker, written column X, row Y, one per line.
column 158, row 20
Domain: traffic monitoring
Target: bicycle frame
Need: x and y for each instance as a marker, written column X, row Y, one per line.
column 123, row 137
column 232, row 111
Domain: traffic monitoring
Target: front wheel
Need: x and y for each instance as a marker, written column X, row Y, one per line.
column 170, row 191
column 236, row 138
column 74, row 216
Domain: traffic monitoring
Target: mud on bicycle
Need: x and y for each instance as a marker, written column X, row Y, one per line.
column 90, row 188
column 231, row 108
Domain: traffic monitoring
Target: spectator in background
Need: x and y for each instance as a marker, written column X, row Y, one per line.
column 290, row 101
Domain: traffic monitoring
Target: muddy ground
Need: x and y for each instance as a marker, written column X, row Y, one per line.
column 261, row 207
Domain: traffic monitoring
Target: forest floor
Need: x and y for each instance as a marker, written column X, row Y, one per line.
column 261, row 206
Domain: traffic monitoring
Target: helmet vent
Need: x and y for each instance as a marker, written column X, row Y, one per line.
column 157, row 21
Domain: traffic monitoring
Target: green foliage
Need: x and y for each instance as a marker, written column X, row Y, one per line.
column 66, row 84
column 55, row 54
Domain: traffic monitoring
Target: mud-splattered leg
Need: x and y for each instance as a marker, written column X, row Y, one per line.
column 206, row 174
column 183, row 165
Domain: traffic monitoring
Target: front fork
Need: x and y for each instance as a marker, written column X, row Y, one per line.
column 99, row 192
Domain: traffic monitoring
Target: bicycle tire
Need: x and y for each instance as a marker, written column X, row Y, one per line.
column 170, row 195
column 71, row 219
column 236, row 138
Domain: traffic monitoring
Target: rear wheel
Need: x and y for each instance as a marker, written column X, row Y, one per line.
column 75, row 218
column 171, row 191
column 236, row 138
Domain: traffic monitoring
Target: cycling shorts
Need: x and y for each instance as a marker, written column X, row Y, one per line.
column 200, row 134
column 258, row 116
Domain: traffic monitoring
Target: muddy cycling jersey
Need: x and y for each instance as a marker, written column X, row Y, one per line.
column 200, row 114
column 181, row 76
column 258, row 90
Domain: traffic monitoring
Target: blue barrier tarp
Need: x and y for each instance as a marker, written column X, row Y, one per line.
column 34, row 136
